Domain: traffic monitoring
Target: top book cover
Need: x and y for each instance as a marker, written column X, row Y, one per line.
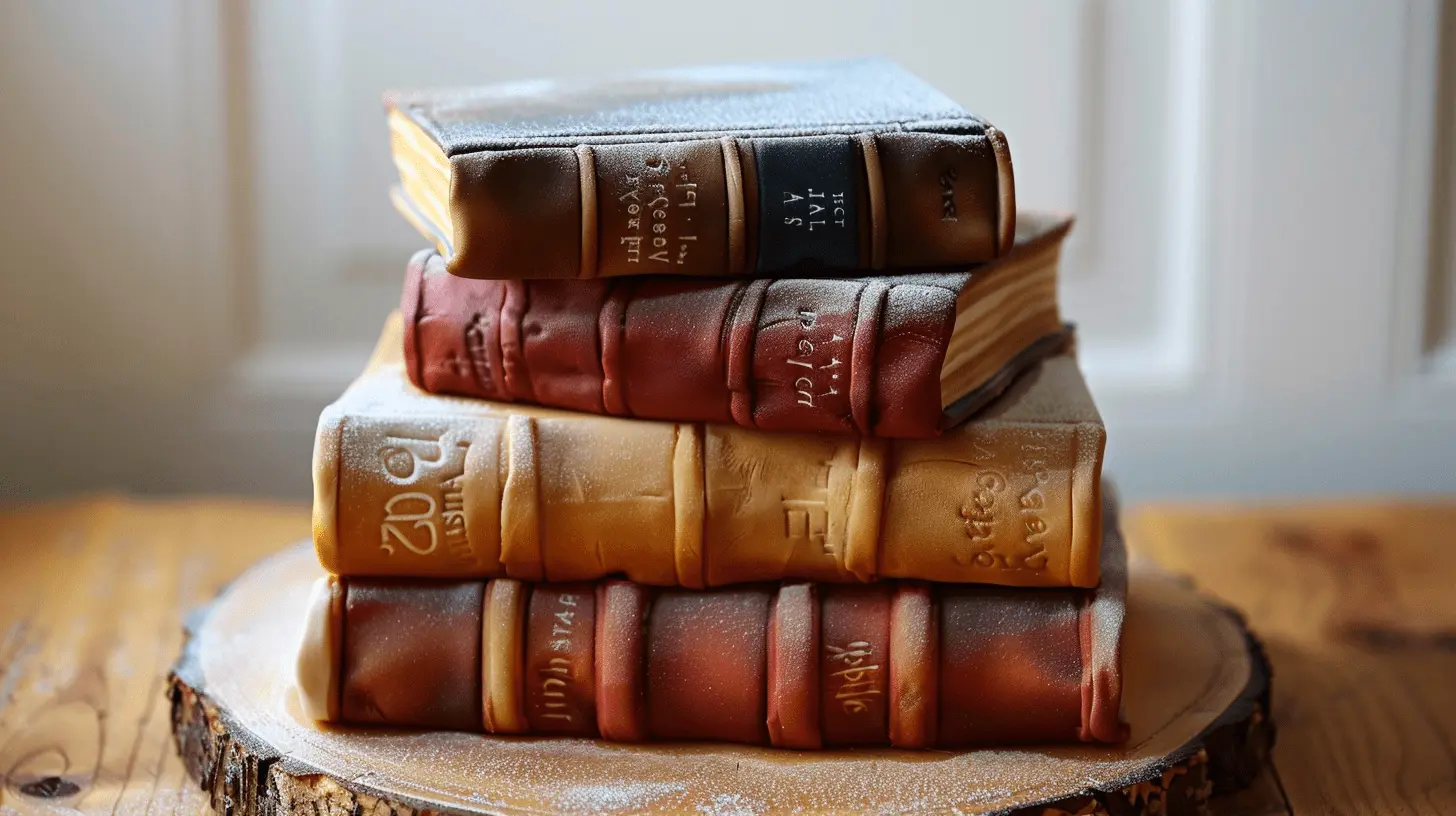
column 739, row 171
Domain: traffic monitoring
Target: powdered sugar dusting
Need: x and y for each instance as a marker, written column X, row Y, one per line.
column 624, row 798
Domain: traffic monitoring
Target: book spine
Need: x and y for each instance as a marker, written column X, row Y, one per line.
column 570, row 497
column 795, row 666
column 735, row 207
column 1015, row 504
column 560, row 673
column 836, row 356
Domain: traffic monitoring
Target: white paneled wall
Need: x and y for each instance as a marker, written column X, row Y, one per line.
column 196, row 247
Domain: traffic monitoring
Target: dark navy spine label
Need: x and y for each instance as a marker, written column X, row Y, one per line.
column 808, row 217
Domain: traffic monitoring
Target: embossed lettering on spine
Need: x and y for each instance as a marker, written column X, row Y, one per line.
column 412, row 484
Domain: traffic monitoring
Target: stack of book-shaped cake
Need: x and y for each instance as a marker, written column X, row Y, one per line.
column 729, row 404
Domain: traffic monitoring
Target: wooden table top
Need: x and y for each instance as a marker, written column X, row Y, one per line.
column 1355, row 601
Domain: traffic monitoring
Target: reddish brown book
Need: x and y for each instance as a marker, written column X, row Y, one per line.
column 733, row 170
column 895, row 356
column 795, row 665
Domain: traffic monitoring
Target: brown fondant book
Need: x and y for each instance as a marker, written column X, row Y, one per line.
column 739, row 171
column 793, row 665
column 891, row 355
column 414, row 484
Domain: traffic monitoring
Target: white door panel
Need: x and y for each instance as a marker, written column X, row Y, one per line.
column 198, row 248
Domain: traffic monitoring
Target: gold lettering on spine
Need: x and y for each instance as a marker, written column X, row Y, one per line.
column 859, row 680
column 817, row 212
column 661, row 200
column 978, row 512
column 430, row 511
column 1023, row 517
column 657, row 209
column 1031, row 504
column 633, row 239
column 808, row 385
column 424, row 518
column 556, row 675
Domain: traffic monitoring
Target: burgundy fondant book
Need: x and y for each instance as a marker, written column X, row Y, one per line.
column 793, row 665
column 894, row 356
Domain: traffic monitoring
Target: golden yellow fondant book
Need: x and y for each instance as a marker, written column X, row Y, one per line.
column 413, row 484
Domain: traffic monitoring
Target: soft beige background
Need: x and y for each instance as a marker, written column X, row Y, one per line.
column 196, row 249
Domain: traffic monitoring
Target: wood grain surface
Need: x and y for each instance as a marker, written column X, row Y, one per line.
column 1195, row 694
column 1356, row 605
column 1353, row 600
column 92, row 597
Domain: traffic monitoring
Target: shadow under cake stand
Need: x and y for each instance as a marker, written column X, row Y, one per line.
column 1196, row 694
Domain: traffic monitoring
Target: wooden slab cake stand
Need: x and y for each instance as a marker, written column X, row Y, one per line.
column 1196, row 696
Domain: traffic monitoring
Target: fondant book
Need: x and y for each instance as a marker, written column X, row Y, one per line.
column 413, row 484
column 892, row 355
column 746, row 170
column 793, row 665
